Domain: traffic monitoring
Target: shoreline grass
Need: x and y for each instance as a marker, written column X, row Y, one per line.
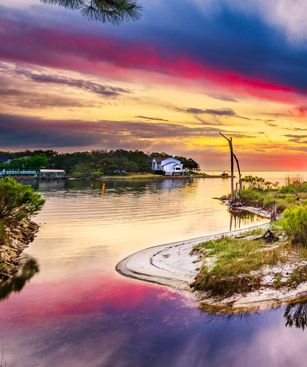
column 236, row 265
column 240, row 265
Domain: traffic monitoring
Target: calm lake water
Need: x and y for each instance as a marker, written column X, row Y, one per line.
column 77, row 311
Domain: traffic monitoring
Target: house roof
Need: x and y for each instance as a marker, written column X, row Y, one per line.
column 173, row 163
column 170, row 160
column 159, row 159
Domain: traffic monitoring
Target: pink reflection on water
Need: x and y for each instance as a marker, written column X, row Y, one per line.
column 81, row 296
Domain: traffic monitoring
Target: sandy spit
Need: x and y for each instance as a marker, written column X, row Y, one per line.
column 171, row 264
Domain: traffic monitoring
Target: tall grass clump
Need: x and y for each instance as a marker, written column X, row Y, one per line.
column 294, row 223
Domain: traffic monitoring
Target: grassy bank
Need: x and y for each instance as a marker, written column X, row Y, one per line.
column 233, row 266
column 262, row 194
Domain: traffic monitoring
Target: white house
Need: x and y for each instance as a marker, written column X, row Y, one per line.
column 169, row 166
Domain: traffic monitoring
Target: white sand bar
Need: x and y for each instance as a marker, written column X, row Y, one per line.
column 171, row 264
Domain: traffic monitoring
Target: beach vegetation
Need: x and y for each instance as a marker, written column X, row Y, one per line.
column 262, row 194
column 17, row 201
column 235, row 265
column 294, row 223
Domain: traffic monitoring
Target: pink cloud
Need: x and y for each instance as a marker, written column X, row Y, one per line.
column 99, row 55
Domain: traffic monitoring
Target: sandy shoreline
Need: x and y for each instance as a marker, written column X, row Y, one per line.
column 171, row 264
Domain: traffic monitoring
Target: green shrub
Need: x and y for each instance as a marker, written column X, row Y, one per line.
column 17, row 201
column 294, row 223
column 258, row 183
column 297, row 187
column 250, row 197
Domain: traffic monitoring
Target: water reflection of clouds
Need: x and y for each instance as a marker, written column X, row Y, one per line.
column 135, row 324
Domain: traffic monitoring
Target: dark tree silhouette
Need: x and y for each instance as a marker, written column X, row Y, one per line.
column 113, row 11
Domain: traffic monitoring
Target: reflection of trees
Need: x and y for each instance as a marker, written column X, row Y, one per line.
column 113, row 11
column 239, row 217
column 296, row 315
column 225, row 313
column 119, row 187
column 16, row 284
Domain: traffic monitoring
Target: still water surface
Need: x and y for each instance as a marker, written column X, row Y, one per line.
column 77, row 311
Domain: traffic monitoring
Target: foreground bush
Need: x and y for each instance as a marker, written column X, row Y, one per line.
column 17, row 201
column 294, row 223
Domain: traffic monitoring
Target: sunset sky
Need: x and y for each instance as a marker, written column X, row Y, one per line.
column 167, row 82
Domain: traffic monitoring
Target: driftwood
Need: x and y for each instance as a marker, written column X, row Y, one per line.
column 235, row 203
column 270, row 237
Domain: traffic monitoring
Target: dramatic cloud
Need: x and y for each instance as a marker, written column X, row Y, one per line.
column 103, row 90
column 18, row 131
column 217, row 112
column 95, row 86
column 31, row 99
column 101, row 54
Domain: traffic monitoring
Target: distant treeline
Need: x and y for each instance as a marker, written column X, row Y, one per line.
column 88, row 164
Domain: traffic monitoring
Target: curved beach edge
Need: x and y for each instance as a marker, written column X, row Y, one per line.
column 172, row 264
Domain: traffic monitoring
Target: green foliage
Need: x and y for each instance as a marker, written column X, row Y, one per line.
column 294, row 223
column 258, row 183
column 285, row 197
column 17, row 201
column 294, row 188
column 250, row 197
column 84, row 171
column 189, row 163
column 35, row 162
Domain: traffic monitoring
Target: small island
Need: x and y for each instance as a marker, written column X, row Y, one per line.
column 243, row 270
column 100, row 165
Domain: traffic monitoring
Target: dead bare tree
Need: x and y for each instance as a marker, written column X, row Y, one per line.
column 232, row 157
column 231, row 164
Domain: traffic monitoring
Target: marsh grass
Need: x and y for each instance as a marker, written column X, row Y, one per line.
column 266, row 197
column 236, row 264
column 252, row 232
